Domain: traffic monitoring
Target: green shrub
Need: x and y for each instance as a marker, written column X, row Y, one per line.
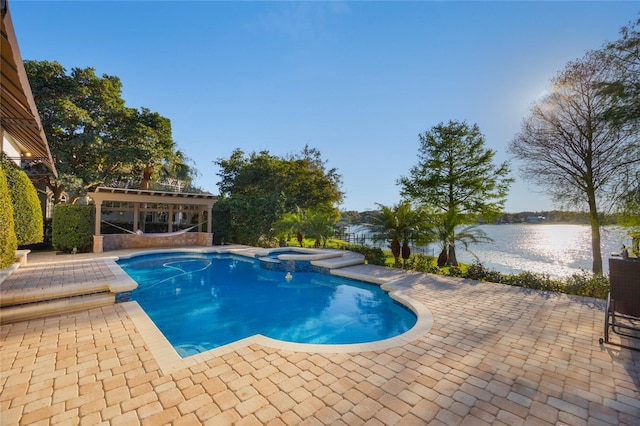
column 27, row 213
column 534, row 281
column 8, row 240
column 73, row 227
column 456, row 271
column 422, row 263
column 372, row 255
column 477, row 271
column 222, row 226
column 588, row 284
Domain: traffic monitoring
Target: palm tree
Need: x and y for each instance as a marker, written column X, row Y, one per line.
column 466, row 236
column 321, row 226
column 449, row 234
column 174, row 172
column 385, row 228
column 400, row 223
column 292, row 223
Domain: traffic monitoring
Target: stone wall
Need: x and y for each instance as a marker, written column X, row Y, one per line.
column 130, row 241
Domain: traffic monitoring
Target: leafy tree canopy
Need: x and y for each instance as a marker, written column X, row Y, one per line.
column 94, row 138
column 623, row 88
column 259, row 188
column 623, row 83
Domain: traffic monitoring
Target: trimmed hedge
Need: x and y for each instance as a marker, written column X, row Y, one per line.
column 73, row 227
column 27, row 213
column 8, row 240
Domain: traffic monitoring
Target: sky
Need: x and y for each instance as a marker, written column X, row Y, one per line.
column 359, row 81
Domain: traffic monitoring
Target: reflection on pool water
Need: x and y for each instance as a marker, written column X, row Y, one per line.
column 203, row 301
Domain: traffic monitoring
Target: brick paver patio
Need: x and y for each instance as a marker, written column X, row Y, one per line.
column 494, row 355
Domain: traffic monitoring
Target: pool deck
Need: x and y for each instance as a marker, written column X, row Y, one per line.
column 493, row 354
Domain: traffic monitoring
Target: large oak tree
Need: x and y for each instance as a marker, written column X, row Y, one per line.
column 94, row 138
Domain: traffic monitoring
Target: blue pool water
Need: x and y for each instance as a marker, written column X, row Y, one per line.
column 202, row 301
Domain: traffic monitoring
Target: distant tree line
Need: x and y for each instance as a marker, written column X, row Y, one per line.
column 352, row 217
column 554, row 216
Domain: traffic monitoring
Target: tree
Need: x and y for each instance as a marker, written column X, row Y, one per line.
column 94, row 138
column 272, row 186
column 623, row 84
column 569, row 146
column 175, row 173
column 399, row 223
column 292, row 224
column 321, row 226
column 456, row 176
column 629, row 204
column 623, row 87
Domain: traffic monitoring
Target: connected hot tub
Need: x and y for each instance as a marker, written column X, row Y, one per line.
column 293, row 259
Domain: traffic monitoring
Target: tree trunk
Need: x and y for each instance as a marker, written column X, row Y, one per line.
column 453, row 260
column 146, row 177
column 406, row 252
column 595, row 234
column 443, row 258
column 58, row 190
column 395, row 250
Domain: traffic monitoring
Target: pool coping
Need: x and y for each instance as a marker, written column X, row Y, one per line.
column 170, row 361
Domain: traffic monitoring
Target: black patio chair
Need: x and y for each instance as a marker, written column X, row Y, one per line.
column 622, row 315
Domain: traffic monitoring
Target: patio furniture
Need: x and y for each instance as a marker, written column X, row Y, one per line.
column 622, row 315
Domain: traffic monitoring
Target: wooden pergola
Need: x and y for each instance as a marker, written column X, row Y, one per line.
column 140, row 199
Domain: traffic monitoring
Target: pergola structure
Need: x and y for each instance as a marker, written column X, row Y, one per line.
column 140, row 200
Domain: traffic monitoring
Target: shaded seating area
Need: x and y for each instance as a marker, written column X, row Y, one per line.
column 622, row 314
column 137, row 204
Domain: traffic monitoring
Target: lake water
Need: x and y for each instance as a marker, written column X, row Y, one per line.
column 555, row 249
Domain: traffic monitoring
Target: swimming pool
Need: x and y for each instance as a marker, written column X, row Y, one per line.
column 202, row 301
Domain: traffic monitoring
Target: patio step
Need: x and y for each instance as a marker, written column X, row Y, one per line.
column 46, row 308
column 21, row 296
